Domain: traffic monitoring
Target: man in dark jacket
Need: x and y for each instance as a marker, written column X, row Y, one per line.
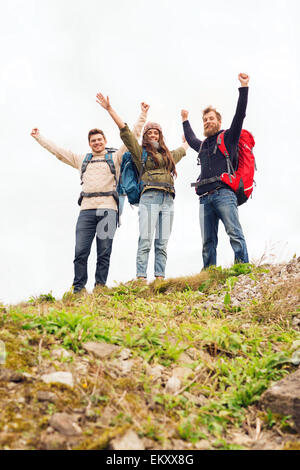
column 217, row 200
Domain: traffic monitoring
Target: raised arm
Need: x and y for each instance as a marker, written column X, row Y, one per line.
column 192, row 140
column 66, row 156
column 137, row 129
column 105, row 103
column 233, row 134
column 127, row 136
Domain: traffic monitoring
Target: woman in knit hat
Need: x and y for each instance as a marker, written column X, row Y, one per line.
column 156, row 206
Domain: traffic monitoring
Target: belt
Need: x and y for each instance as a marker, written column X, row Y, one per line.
column 210, row 192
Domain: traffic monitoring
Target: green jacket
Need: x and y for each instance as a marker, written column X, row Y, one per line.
column 151, row 173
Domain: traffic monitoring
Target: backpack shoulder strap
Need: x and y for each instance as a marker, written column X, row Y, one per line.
column 85, row 163
column 221, row 144
column 110, row 162
column 144, row 156
column 222, row 147
column 144, row 159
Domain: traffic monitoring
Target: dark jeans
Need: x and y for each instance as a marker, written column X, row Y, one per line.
column 102, row 222
column 221, row 205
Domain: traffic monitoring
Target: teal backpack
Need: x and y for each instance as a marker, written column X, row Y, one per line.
column 130, row 183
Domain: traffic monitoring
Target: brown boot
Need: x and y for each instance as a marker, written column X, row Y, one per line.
column 99, row 289
column 142, row 280
column 82, row 292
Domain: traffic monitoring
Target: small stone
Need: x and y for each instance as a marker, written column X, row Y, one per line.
column 82, row 368
column 8, row 375
column 53, row 441
column 154, row 372
column 101, row 350
column 65, row 424
column 122, row 367
column 130, row 441
column 173, row 386
column 125, row 354
column 296, row 321
column 181, row 445
column 203, row 445
column 21, row 400
column 46, row 396
column 28, row 376
column 182, row 372
column 65, row 378
column 61, row 353
column 185, row 359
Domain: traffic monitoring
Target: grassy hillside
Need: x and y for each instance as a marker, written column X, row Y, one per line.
column 193, row 356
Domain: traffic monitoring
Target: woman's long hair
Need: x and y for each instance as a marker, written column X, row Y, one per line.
column 163, row 150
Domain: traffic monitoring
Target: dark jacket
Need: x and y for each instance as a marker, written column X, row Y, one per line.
column 212, row 161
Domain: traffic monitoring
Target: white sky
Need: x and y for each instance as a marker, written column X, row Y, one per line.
column 56, row 55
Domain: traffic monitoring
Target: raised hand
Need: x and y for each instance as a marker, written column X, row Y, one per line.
column 105, row 103
column 244, row 79
column 184, row 114
column 35, row 132
column 145, row 107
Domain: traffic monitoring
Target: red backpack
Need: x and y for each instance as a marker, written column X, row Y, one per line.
column 242, row 180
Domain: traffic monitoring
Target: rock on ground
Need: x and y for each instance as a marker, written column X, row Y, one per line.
column 65, row 378
column 284, row 397
column 173, row 385
column 47, row 396
column 8, row 375
column 65, row 424
column 182, row 373
column 101, row 350
column 129, row 441
column 154, row 372
column 61, row 353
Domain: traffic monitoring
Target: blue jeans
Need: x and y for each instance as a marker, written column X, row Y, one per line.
column 222, row 204
column 102, row 222
column 156, row 213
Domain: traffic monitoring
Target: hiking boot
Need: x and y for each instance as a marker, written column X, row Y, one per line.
column 99, row 289
column 141, row 280
column 80, row 292
column 71, row 295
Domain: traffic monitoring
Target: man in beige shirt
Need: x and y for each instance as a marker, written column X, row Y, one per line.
column 98, row 202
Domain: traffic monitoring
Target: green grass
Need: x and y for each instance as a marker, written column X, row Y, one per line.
column 231, row 364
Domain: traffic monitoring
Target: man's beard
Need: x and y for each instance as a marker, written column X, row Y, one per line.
column 211, row 130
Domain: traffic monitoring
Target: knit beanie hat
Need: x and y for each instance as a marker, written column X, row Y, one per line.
column 151, row 125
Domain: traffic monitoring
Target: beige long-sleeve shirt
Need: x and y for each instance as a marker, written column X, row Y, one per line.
column 97, row 177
